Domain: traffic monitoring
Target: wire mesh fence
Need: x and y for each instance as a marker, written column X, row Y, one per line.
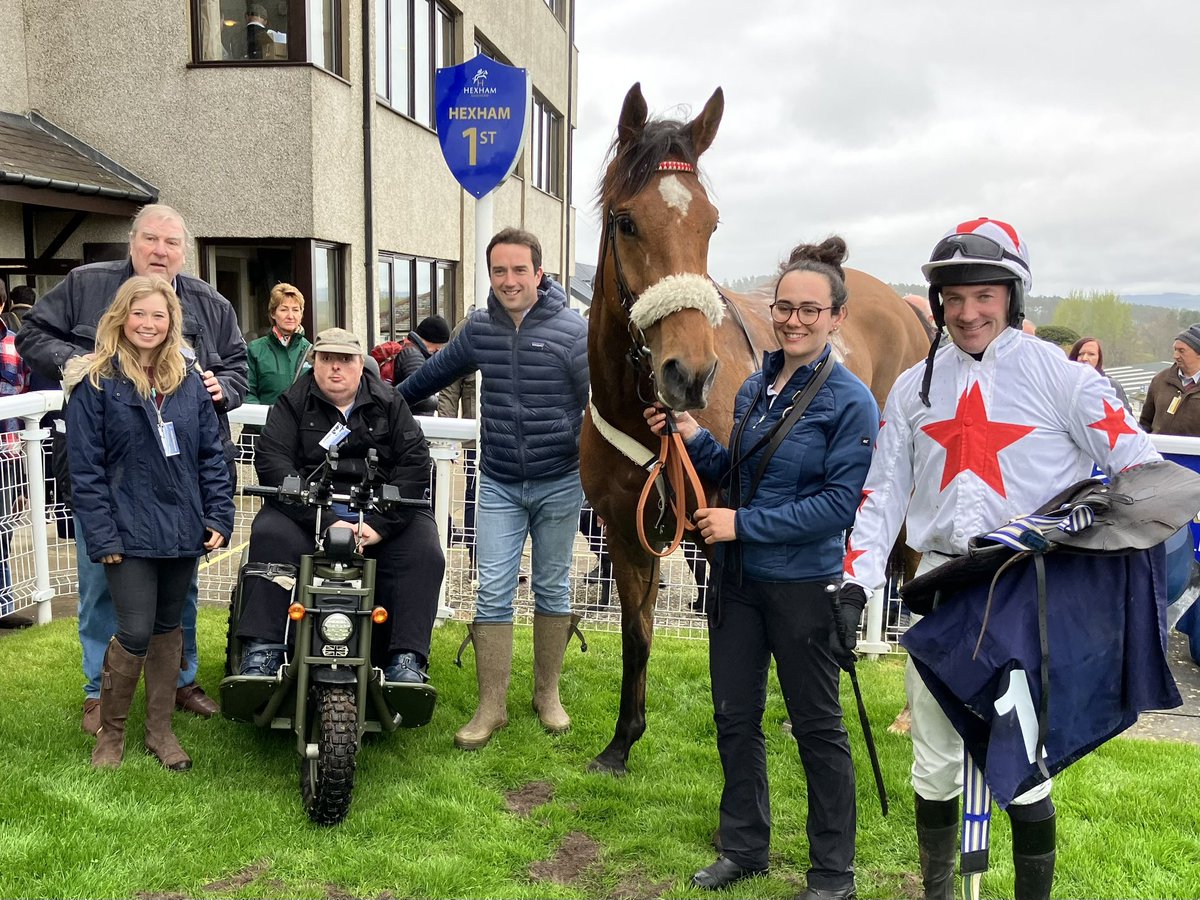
column 683, row 576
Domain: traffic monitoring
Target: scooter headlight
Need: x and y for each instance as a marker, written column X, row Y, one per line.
column 336, row 628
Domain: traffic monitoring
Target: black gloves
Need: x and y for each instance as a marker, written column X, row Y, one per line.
column 848, row 605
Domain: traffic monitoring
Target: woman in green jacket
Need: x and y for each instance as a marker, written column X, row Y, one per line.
column 276, row 358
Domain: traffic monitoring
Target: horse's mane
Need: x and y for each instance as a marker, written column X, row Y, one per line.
column 628, row 167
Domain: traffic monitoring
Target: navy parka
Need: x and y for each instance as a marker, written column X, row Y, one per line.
column 132, row 499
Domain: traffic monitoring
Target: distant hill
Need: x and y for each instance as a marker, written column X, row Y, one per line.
column 1170, row 301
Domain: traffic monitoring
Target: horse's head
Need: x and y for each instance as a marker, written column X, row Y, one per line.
column 657, row 224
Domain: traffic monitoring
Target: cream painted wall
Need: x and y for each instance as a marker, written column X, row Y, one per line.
column 14, row 89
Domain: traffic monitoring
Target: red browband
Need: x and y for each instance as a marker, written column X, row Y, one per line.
column 675, row 165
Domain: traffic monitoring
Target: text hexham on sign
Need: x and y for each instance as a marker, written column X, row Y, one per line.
column 481, row 110
column 486, row 112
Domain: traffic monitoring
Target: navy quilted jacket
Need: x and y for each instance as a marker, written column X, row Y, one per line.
column 535, row 384
column 795, row 526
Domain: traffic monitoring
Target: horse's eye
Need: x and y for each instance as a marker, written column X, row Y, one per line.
column 626, row 227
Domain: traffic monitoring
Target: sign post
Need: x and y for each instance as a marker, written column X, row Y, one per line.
column 482, row 107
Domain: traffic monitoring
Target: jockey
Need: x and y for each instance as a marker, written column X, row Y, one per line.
column 1006, row 424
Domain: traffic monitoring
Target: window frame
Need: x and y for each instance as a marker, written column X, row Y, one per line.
column 442, row 275
column 298, row 40
column 546, row 170
column 304, row 252
column 438, row 36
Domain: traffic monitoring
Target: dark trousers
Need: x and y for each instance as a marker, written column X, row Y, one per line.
column 407, row 579
column 148, row 595
column 790, row 622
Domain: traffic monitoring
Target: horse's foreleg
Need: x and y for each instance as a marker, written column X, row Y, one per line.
column 637, row 584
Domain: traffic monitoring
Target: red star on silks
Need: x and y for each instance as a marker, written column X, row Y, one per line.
column 973, row 442
column 1113, row 424
column 865, row 495
column 851, row 556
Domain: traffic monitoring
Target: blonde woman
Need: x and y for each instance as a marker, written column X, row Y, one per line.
column 151, row 492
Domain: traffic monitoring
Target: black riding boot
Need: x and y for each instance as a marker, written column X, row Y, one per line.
column 1033, row 857
column 937, row 843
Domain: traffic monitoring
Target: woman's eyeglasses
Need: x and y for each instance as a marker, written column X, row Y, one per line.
column 806, row 313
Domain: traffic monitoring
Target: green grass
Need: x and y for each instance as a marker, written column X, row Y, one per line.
column 431, row 821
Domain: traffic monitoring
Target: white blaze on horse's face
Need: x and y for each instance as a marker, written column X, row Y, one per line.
column 675, row 194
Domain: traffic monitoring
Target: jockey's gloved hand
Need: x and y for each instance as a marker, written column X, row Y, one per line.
column 847, row 612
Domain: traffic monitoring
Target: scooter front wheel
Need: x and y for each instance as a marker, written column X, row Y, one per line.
column 327, row 782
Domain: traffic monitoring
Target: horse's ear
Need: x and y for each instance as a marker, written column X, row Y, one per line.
column 633, row 115
column 704, row 126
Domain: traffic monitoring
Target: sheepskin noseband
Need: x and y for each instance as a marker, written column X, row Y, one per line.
column 676, row 292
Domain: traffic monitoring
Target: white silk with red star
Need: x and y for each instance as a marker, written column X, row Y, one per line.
column 1002, row 436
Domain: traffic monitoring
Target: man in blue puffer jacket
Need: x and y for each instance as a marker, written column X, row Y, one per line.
column 532, row 351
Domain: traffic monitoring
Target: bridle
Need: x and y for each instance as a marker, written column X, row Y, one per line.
column 672, row 460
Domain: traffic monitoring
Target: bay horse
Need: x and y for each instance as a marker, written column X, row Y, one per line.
column 660, row 330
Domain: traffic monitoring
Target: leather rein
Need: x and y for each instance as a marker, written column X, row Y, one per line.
column 672, row 465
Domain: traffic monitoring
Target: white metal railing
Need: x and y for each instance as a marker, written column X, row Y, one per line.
column 37, row 553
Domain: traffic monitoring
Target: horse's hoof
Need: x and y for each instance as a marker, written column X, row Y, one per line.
column 604, row 767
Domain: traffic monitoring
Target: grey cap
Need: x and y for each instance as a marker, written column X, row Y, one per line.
column 338, row 340
column 1191, row 337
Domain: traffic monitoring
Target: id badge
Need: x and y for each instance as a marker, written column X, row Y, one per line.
column 338, row 433
column 166, row 438
column 1174, row 405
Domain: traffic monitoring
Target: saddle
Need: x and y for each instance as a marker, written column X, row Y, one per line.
column 1138, row 509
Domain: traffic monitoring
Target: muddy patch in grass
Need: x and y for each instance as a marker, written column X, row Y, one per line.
column 525, row 799
column 240, row 879
column 638, row 887
column 571, row 861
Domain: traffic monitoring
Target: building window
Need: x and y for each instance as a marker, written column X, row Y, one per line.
column 325, row 34
column 328, row 289
column 483, row 48
column 411, row 288
column 244, row 271
column 414, row 38
column 269, row 31
column 546, row 146
column 556, row 7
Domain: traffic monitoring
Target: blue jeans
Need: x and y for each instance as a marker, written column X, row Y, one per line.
column 546, row 509
column 98, row 619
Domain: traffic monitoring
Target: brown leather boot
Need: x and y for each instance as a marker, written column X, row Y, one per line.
column 162, row 673
column 550, row 636
column 118, row 682
column 493, row 668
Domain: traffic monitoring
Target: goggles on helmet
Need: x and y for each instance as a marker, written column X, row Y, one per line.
column 973, row 246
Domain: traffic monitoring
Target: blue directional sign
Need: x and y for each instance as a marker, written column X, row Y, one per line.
column 481, row 110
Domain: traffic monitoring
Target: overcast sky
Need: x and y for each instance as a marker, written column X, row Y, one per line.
column 887, row 122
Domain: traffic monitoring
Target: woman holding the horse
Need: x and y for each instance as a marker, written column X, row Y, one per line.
column 793, row 474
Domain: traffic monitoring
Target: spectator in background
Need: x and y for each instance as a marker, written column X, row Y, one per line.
column 920, row 306
column 14, row 379
column 61, row 326
column 6, row 314
column 22, row 298
column 422, row 342
column 1087, row 350
column 277, row 358
column 1172, row 401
